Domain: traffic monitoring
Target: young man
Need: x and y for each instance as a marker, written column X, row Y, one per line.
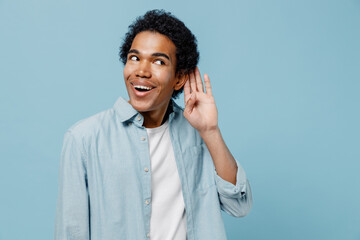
column 146, row 169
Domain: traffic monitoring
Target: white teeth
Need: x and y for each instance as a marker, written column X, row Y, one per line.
column 142, row 87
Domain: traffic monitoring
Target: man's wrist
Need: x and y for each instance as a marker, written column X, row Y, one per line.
column 211, row 133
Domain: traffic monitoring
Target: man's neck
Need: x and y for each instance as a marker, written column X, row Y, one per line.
column 154, row 119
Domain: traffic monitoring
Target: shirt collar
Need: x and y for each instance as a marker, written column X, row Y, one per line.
column 125, row 111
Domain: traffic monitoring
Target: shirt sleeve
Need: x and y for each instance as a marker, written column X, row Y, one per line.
column 72, row 211
column 235, row 200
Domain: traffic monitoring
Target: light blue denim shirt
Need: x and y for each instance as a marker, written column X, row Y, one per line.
column 105, row 184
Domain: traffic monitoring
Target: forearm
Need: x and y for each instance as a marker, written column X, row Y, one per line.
column 224, row 162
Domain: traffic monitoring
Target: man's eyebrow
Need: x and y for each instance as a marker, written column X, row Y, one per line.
column 133, row 51
column 160, row 55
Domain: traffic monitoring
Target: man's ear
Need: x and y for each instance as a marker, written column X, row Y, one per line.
column 181, row 79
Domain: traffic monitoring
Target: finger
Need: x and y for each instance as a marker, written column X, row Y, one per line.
column 187, row 90
column 199, row 83
column 189, row 106
column 192, row 82
column 207, row 84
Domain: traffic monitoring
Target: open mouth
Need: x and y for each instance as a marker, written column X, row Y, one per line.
column 142, row 88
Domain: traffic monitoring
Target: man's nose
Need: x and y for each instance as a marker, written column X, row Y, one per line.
column 143, row 70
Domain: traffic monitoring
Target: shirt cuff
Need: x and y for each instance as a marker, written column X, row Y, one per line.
column 230, row 190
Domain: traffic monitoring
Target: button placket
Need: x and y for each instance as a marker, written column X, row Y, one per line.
column 145, row 163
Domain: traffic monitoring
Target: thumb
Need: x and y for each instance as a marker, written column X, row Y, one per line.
column 189, row 106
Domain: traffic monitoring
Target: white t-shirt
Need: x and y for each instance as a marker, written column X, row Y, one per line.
column 167, row 209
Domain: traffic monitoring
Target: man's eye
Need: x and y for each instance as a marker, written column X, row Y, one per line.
column 133, row 58
column 159, row 62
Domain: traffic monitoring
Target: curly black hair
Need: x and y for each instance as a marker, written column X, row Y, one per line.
column 187, row 55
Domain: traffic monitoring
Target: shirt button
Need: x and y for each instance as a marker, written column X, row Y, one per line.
column 147, row 202
column 138, row 118
column 129, row 124
column 146, row 169
column 142, row 138
column 148, row 235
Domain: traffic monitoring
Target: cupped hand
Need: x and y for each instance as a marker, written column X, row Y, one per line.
column 200, row 108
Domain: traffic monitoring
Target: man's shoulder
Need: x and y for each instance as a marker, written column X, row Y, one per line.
column 92, row 124
column 183, row 128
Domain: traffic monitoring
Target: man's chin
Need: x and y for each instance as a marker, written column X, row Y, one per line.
column 140, row 107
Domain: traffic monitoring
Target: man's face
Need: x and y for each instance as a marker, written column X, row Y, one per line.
column 149, row 72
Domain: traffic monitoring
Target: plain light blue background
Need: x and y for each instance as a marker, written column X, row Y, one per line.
column 285, row 75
